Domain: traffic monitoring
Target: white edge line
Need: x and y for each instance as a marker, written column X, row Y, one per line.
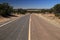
column 29, row 35
column 7, row 23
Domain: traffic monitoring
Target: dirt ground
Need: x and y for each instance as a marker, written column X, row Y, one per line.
column 50, row 18
column 3, row 19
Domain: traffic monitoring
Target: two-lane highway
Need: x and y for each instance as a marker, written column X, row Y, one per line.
column 29, row 27
column 16, row 30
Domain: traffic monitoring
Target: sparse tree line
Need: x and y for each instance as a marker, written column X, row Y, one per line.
column 20, row 11
column 7, row 10
column 55, row 10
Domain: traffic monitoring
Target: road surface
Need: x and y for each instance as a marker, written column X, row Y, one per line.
column 17, row 30
column 39, row 29
column 43, row 30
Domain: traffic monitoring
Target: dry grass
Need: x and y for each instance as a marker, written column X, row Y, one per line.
column 52, row 17
column 3, row 19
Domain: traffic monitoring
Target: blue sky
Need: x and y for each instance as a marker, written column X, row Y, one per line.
column 39, row 4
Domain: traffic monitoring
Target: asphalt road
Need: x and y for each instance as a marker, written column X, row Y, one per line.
column 43, row 30
column 39, row 29
column 17, row 30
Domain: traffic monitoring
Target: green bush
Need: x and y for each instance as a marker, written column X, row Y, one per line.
column 22, row 11
column 56, row 9
column 5, row 9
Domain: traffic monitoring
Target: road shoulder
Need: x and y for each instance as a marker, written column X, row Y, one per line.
column 50, row 21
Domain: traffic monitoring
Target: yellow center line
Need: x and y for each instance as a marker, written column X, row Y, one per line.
column 29, row 35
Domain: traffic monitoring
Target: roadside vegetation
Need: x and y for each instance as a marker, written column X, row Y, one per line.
column 55, row 10
column 21, row 11
column 7, row 10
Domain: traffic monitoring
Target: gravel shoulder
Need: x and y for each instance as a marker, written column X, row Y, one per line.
column 4, row 20
column 54, row 21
